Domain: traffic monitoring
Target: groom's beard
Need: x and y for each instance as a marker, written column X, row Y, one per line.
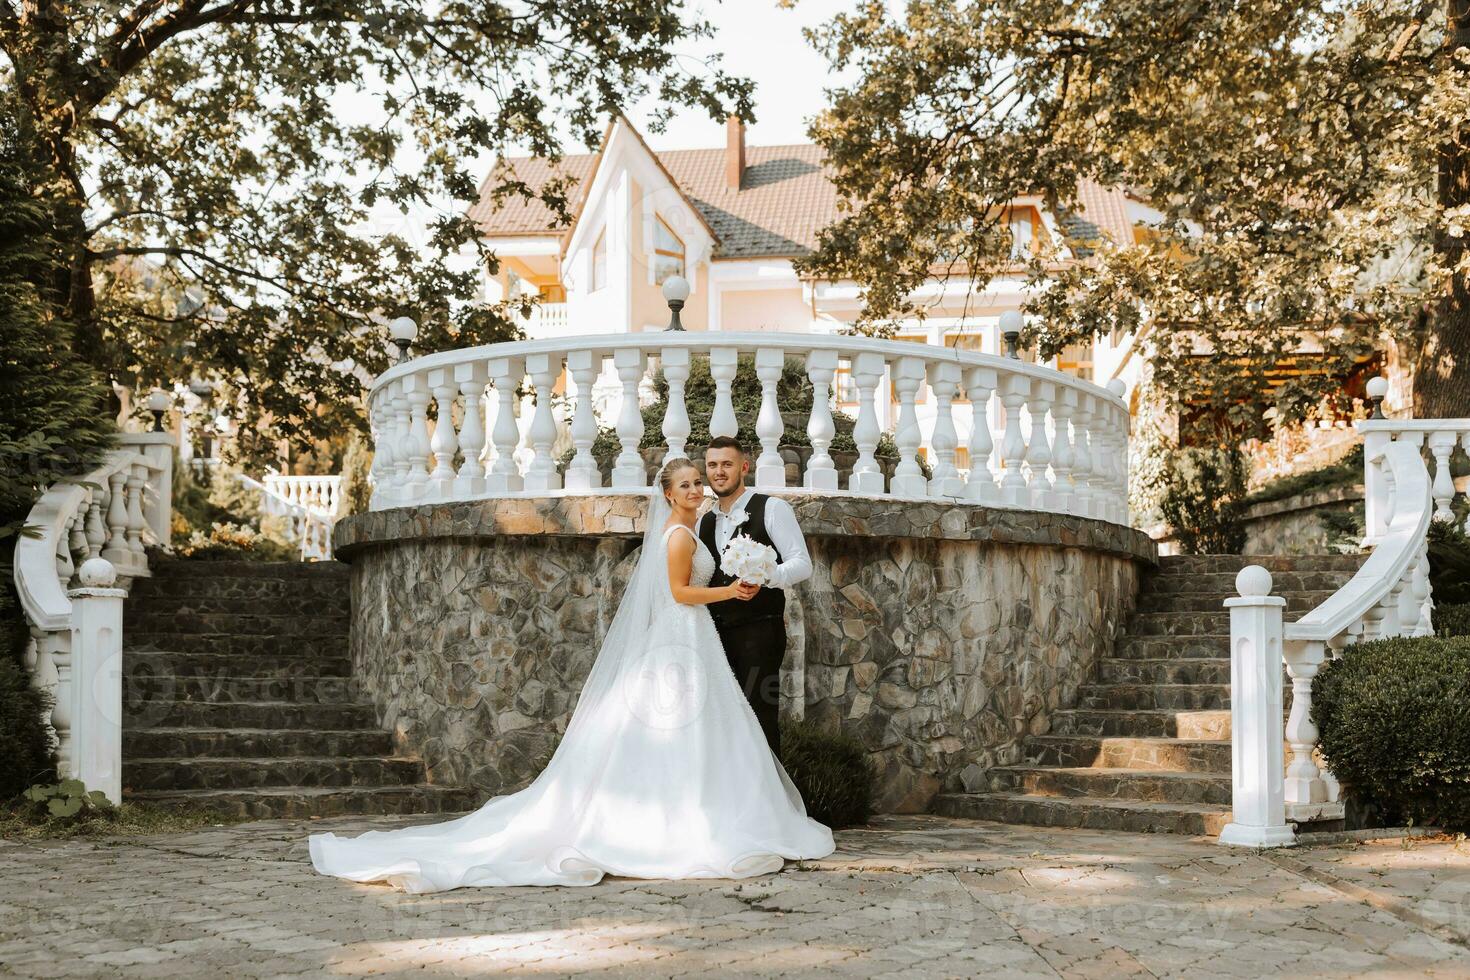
column 734, row 488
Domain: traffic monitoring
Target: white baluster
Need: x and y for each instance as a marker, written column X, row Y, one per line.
column 1013, row 491
column 1038, row 449
column 979, row 383
column 470, row 480
column 582, row 472
column 770, row 469
column 908, row 479
column 628, row 471
column 1119, row 390
column 944, row 380
column 416, row 390
column 1064, row 489
column 675, row 361
column 1424, row 626
column 1082, row 474
column 1442, row 444
column 96, row 532
column 137, row 478
column 1303, row 782
column 1409, row 609
column 821, row 471
column 1104, row 497
column 505, row 475
column 723, row 363
column 867, row 373
column 442, row 444
column 116, row 550
column 63, row 712
column 77, row 544
column 544, row 369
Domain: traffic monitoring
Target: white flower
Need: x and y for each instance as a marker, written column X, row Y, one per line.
column 735, row 520
column 748, row 560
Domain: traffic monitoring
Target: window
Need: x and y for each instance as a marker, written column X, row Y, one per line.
column 1076, row 359
column 599, row 261
column 1022, row 241
column 668, row 251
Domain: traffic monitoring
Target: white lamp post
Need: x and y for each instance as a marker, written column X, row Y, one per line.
column 403, row 331
column 676, row 291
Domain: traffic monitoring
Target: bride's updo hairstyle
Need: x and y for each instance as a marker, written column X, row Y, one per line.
column 672, row 469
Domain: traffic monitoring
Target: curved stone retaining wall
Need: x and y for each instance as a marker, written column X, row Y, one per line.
column 938, row 635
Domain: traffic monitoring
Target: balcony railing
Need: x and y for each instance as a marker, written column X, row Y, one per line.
column 1053, row 443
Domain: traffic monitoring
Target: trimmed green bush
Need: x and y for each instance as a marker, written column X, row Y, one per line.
column 831, row 772
column 1394, row 723
column 1449, row 563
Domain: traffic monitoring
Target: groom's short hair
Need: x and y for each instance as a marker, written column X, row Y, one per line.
column 726, row 442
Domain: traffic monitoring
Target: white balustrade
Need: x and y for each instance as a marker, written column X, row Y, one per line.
column 1058, row 448
column 308, row 526
column 1390, row 595
column 85, row 544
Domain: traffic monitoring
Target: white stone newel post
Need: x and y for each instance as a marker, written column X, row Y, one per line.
column 979, row 383
column 1013, row 490
column 443, row 442
column 1377, row 482
column 821, row 471
column 1257, row 797
column 908, row 479
column 544, row 369
column 944, row 381
column 675, row 361
column 770, row 469
column 505, row 475
column 1064, row 491
column 1038, row 448
column 723, row 363
column 867, row 372
column 628, row 470
column 95, row 688
column 1304, row 783
column 582, row 472
column 470, row 481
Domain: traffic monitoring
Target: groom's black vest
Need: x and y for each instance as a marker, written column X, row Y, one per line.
column 769, row 603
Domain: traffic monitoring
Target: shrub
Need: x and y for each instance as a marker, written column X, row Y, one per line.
column 1203, row 500
column 1394, row 723
column 831, row 772
column 1449, row 563
column 25, row 750
column 1452, row 619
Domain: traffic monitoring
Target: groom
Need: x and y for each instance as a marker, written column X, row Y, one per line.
column 753, row 631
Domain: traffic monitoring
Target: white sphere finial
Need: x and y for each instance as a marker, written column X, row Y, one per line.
column 1117, row 387
column 1253, row 581
column 403, row 328
column 676, row 289
column 1378, row 387
column 97, row 573
column 1011, row 321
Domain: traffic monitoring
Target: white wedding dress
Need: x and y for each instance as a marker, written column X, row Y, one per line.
column 663, row 771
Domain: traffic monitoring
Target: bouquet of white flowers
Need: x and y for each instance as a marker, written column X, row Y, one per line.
column 749, row 560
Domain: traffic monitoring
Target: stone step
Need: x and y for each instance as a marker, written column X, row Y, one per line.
column 1178, row 623
column 1187, row 697
column 1183, row 602
column 298, row 688
column 295, row 802
column 1223, row 583
column 186, row 743
column 307, row 646
column 145, row 619
column 332, row 605
column 174, row 569
column 244, row 772
column 1147, row 785
column 1182, row 670
column 1230, row 564
column 241, row 589
column 1086, row 812
column 1208, row 646
column 254, row 714
column 1120, row 752
column 1137, row 723
column 141, row 667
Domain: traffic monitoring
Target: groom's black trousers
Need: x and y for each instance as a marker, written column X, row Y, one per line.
column 755, row 650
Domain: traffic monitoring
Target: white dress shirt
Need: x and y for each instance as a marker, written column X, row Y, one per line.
column 796, row 564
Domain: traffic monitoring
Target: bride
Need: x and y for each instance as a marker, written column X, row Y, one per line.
column 663, row 771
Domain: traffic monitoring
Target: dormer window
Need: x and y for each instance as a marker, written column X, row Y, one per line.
column 599, row 261
column 668, row 251
column 1023, row 242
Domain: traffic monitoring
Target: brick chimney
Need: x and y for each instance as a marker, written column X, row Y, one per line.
column 734, row 152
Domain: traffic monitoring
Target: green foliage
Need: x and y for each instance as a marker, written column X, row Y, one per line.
column 1346, row 472
column 832, row 773
column 1452, row 619
column 1291, row 151
column 1344, row 529
column 1203, row 501
column 224, row 204
column 356, row 492
column 68, row 810
column 1449, row 563
column 68, row 800
column 25, row 752
column 1394, row 723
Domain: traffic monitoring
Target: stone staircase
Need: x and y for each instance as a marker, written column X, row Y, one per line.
column 1147, row 748
column 239, row 697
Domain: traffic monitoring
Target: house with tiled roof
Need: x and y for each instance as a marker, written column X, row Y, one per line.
column 731, row 220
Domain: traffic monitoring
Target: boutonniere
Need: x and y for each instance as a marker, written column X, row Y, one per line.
column 737, row 520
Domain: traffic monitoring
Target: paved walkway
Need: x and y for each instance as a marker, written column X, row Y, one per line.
column 911, row 896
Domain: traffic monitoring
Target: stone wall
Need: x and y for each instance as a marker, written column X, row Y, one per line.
column 938, row 635
column 1295, row 525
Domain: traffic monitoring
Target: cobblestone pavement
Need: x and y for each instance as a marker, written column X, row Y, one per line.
column 908, row 896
